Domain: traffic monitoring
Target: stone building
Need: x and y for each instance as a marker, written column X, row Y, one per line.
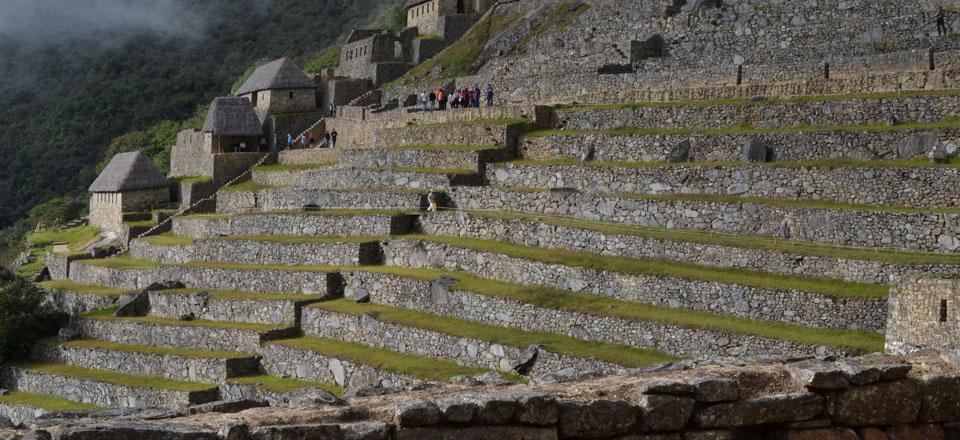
column 922, row 314
column 130, row 183
column 428, row 15
column 232, row 125
column 377, row 55
column 284, row 98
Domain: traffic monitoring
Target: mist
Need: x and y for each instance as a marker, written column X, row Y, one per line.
column 56, row 21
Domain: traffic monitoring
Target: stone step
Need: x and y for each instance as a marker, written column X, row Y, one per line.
column 22, row 408
column 106, row 388
column 126, row 272
column 264, row 249
column 866, row 109
column 296, row 199
column 475, row 132
column 691, row 145
column 896, row 183
column 747, row 294
column 354, row 366
column 144, row 360
column 73, row 298
column 225, row 306
column 466, row 342
column 772, row 255
column 675, row 332
column 370, row 178
column 171, row 333
column 881, row 227
column 330, row 223
column 443, row 157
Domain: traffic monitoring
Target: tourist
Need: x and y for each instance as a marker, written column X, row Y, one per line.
column 433, row 101
column 455, row 100
column 326, row 140
column 423, row 101
column 303, row 141
column 333, row 138
column 489, row 95
column 942, row 22
column 333, row 110
column 476, row 95
column 313, row 139
column 289, row 140
column 441, row 100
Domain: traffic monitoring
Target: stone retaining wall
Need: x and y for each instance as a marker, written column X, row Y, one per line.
column 923, row 314
column 778, row 305
column 283, row 361
column 443, row 159
column 350, row 178
column 915, row 187
column 203, row 306
column 443, row 134
column 369, row 330
column 672, row 339
column 75, row 303
column 180, row 368
column 261, row 252
column 281, row 199
column 21, row 414
column 537, row 234
column 173, row 336
column 311, row 156
column 292, row 225
column 102, row 393
column 729, row 147
column 924, row 109
column 244, row 280
column 927, row 231
column 230, row 202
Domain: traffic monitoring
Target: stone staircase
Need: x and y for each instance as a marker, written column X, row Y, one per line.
column 314, row 279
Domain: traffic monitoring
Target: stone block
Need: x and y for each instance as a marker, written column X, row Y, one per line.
column 860, row 374
column 715, row 389
column 816, row 434
column 458, row 409
column 668, row 387
column 779, row 408
column 941, row 399
column 754, row 150
column 819, row 375
column 493, row 409
column 537, row 409
column 226, row 406
column 297, row 432
column 872, row 434
column 915, row 432
column 665, row 413
column 166, row 431
column 680, row 152
column 417, row 413
column 476, row 433
column 880, row 404
column 596, row 418
column 916, row 144
column 365, row 431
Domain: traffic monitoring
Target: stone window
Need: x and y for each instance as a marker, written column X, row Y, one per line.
column 291, row 95
column 943, row 310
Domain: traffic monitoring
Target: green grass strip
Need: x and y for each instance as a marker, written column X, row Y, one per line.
column 385, row 360
column 823, row 163
column 739, row 241
column 550, row 298
column 248, row 185
column 168, row 239
column 284, row 385
column 76, row 238
column 425, row 170
column 668, row 268
column 280, row 168
column 44, row 402
column 193, row 180
column 85, row 289
column 232, row 295
column 747, row 130
column 115, row 378
column 141, row 224
column 107, row 315
column 148, row 349
column 784, row 203
column 561, row 344
column 123, row 262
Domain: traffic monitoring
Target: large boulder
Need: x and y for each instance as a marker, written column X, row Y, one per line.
column 890, row 403
column 754, row 150
column 596, row 418
column 780, row 408
column 916, row 144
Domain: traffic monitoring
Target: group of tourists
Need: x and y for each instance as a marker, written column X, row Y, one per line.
column 310, row 140
column 463, row 98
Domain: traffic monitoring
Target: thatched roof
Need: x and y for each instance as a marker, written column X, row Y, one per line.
column 232, row 116
column 129, row 172
column 275, row 75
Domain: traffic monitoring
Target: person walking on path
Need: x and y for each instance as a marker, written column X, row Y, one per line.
column 333, row 138
column 289, row 140
column 326, row 140
column 476, row 95
column 489, row 95
column 333, row 110
column 433, row 101
column 942, row 22
column 313, row 140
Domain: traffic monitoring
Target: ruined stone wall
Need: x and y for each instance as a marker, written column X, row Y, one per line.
column 192, row 155
column 923, row 314
column 227, row 166
column 668, row 338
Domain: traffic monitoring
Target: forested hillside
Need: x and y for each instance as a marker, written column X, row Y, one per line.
column 76, row 82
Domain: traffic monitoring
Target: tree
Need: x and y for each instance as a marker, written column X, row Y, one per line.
column 25, row 317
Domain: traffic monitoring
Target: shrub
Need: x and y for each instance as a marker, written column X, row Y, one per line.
column 24, row 316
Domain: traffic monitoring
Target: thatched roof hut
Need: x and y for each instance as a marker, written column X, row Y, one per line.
column 232, row 117
column 277, row 75
column 128, row 172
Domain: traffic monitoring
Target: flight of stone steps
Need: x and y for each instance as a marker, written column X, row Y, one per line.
column 587, row 239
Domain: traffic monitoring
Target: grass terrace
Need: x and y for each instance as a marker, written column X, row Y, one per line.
column 45, row 402
column 824, row 163
column 248, row 185
column 785, row 203
column 193, row 180
column 115, row 378
column 484, row 122
column 168, row 239
column 85, row 289
column 232, row 295
column 147, row 349
column 107, row 315
column 556, row 343
column 425, row 170
column 279, row 168
column 295, row 240
column 284, row 385
column 668, row 268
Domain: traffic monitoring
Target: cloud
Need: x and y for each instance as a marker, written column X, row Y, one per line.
column 52, row 21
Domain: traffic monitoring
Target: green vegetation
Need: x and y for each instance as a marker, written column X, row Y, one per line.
column 85, row 289
column 168, row 239
column 141, row 223
column 123, row 262
column 40, row 244
column 784, row 203
column 25, row 316
column 248, row 185
column 194, row 180
column 822, row 163
column 747, row 130
column 45, row 402
column 462, row 57
column 384, row 360
column 149, row 349
column 668, row 268
column 329, row 58
column 284, row 385
column 278, row 168
column 747, row 242
column 546, row 297
column 430, row 37
column 112, row 377
column 616, row 353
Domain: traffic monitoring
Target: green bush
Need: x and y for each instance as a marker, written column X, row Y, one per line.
column 24, row 316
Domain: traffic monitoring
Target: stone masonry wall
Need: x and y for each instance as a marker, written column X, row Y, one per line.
column 928, row 231
column 349, row 178
column 923, row 314
column 790, row 306
column 280, row 199
column 368, row 330
column 211, row 307
column 796, row 146
column 441, row 134
column 695, row 343
column 292, row 224
column 261, row 252
column 171, row 336
column 930, row 187
column 283, row 361
column 537, row 234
